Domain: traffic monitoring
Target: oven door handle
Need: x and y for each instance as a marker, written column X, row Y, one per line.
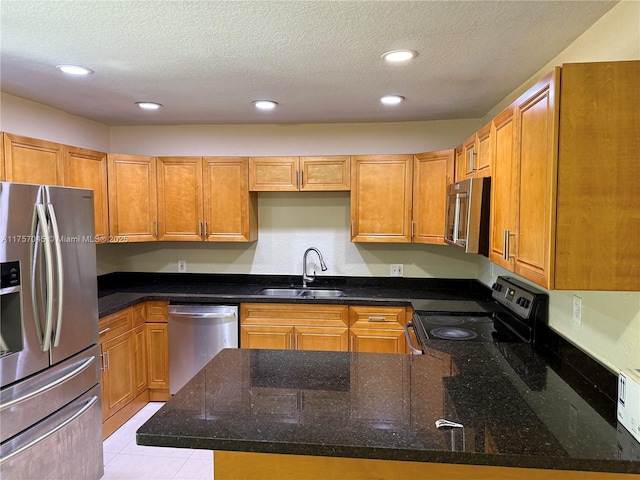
column 413, row 349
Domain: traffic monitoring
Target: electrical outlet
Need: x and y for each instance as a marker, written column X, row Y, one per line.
column 577, row 309
column 396, row 270
column 182, row 266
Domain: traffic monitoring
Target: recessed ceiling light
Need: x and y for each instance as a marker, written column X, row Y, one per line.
column 149, row 105
column 391, row 99
column 74, row 69
column 399, row 55
column 265, row 104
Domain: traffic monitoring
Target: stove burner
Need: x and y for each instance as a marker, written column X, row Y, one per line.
column 447, row 333
column 479, row 319
column 445, row 320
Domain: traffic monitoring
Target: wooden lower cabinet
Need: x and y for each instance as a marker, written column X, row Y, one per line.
column 377, row 329
column 117, row 373
column 157, row 337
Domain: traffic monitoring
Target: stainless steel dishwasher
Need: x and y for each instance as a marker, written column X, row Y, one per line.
column 196, row 334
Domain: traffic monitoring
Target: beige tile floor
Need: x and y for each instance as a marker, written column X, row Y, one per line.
column 124, row 460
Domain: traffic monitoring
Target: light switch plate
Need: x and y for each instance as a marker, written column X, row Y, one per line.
column 182, row 266
column 397, row 270
column 577, row 309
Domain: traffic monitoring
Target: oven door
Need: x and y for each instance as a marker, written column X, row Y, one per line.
column 416, row 337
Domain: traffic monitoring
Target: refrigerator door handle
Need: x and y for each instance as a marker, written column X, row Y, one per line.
column 59, row 271
column 58, row 381
column 44, row 238
column 89, row 403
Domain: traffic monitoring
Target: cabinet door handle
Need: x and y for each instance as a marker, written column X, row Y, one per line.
column 413, row 224
column 155, row 228
column 205, row 229
column 505, row 251
column 377, row 319
column 200, row 229
column 302, row 178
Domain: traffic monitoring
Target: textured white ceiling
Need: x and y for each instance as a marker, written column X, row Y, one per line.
column 206, row 61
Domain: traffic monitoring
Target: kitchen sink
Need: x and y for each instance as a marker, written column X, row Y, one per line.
column 301, row 292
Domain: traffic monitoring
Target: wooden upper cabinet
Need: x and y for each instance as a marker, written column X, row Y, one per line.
column 2, row 175
column 503, row 194
column 473, row 157
column 273, row 174
column 29, row 160
column 132, row 197
column 88, row 169
column 180, row 214
column 483, row 152
column 432, row 171
column 329, row 173
column 325, row 173
column 536, row 113
column 598, row 199
column 230, row 210
column 381, row 198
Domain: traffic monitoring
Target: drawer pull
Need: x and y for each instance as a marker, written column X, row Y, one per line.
column 104, row 331
column 377, row 319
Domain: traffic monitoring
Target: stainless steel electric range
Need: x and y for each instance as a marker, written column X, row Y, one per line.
column 511, row 316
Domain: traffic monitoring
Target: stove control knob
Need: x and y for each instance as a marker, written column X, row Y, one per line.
column 497, row 287
column 523, row 302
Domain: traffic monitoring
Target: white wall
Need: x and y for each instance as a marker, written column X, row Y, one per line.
column 610, row 328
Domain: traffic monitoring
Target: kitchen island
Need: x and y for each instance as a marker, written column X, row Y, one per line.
column 272, row 413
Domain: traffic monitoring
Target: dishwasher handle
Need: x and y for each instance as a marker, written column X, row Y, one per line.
column 184, row 313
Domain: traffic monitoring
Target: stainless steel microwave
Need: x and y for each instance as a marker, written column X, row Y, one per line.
column 468, row 213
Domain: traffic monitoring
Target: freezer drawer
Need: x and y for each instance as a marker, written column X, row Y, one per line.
column 65, row 445
column 38, row 396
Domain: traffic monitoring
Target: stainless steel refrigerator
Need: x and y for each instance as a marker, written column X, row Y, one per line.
column 50, row 406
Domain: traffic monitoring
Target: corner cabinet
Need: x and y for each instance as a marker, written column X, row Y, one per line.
column 381, row 198
column 133, row 213
column 432, row 172
column 292, row 174
column 473, row 157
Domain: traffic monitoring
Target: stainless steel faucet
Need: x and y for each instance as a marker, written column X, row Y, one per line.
column 306, row 278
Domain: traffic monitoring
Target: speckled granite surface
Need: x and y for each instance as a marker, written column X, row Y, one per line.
column 515, row 410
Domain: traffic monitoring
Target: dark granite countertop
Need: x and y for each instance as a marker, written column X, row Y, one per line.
column 516, row 411
column 121, row 290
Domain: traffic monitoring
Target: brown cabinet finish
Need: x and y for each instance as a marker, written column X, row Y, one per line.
column 179, row 182
column 483, row 152
column 2, row 173
column 158, row 357
column 332, row 173
column 29, row 160
column 377, row 329
column 318, row 173
column 117, row 374
column 381, row 198
column 273, row 174
column 230, row 210
column 432, row 172
column 132, row 197
column 139, row 359
column 88, row 169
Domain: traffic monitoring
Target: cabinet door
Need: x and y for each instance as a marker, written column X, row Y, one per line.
column 381, row 198
column 431, row 172
column 483, row 154
column 157, row 356
column 469, row 153
column 132, row 197
column 230, row 210
column 537, row 133
column 325, row 173
column 180, row 213
column 29, row 160
column 276, row 337
column 334, row 339
column 118, row 375
column 2, row 174
column 273, row 174
column 503, row 194
column 377, row 340
column 139, row 360
column 459, row 168
column 88, row 169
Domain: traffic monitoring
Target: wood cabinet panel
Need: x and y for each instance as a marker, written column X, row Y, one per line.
column 115, row 324
column 377, row 317
column 483, row 152
column 29, row 160
column 139, row 359
column 156, row 311
column 381, row 198
column 537, row 133
column 88, row 169
column 273, row 174
column 157, row 356
column 132, row 197
column 2, row 172
column 325, row 173
column 377, row 340
column 335, row 339
column 294, row 315
column 230, row 210
column 503, row 197
column 179, row 181
column 432, row 172
column 277, row 337
column 117, row 374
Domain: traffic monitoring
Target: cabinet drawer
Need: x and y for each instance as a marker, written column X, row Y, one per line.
column 377, row 317
column 115, row 324
column 139, row 314
column 287, row 314
column 157, row 311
